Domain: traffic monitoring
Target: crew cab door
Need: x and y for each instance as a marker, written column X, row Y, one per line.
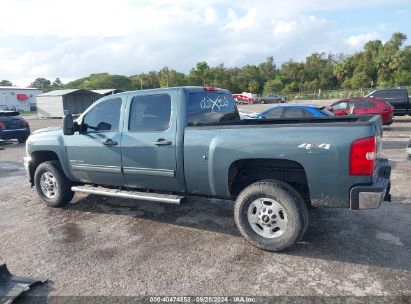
column 94, row 154
column 148, row 143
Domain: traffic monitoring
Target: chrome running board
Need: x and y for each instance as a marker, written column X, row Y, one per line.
column 145, row 196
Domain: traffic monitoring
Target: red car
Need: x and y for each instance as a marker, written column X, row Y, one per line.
column 363, row 106
column 243, row 98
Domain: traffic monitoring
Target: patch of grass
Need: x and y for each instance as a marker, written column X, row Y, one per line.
column 28, row 113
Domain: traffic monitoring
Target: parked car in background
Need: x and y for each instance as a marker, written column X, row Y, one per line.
column 270, row 98
column 364, row 106
column 247, row 114
column 294, row 111
column 13, row 126
column 243, row 99
column 398, row 98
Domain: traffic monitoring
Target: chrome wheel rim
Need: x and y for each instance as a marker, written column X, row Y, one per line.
column 48, row 185
column 267, row 218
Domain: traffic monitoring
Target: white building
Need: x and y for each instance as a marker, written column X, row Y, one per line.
column 18, row 99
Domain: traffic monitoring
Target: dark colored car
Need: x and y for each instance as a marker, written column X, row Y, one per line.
column 294, row 111
column 364, row 106
column 13, row 126
column 398, row 98
column 272, row 98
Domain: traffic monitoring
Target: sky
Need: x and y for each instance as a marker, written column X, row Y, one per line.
column 70, row 39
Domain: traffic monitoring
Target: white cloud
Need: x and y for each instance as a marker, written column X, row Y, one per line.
column 358, row 41
column 71, row 39
column 210, row 15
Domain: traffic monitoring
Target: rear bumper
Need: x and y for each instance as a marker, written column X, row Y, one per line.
column 14, row 133
column 371, row 196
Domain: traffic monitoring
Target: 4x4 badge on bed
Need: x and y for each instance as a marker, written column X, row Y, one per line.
column 310, row 146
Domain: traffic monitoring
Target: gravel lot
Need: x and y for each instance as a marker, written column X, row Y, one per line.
column 106, row 246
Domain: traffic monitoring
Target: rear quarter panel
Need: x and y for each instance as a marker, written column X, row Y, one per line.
column 322, row 150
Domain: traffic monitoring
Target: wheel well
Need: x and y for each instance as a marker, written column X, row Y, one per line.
column 37, row 158
column 243, row 173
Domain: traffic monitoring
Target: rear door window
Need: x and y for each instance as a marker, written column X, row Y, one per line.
column 150, row 113
column 370, row 104
column 273, row 113
column 293, row 113
column 206, row 108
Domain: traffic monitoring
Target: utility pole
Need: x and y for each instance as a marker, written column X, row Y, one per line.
column 141, row 83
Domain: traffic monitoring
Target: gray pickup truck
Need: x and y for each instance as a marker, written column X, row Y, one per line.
column 165, row 144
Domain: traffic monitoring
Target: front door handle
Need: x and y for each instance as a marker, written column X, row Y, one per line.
column 162, row 142
column 110, row 142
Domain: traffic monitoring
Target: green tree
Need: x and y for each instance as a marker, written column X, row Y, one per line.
column 41, row 83
column 6, row 83
column 200, row 74
column 273, row 86
column 103, row 81
column 171, row 78
column 57, row 84
column 267, row 69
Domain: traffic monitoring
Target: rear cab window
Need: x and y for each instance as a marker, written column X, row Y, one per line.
column 210, row 108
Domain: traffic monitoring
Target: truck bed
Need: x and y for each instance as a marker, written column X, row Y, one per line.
column 361, row 120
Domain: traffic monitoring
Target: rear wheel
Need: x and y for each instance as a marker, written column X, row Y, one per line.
column 271, row 215
column 22, row 139
column 53, row 187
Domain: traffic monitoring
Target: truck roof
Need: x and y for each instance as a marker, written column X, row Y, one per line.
column 187, row 88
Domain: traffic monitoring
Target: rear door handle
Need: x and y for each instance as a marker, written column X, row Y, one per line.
column 162, row 142
column 110, row 142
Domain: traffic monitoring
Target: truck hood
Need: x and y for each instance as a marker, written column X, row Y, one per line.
column 49, row 129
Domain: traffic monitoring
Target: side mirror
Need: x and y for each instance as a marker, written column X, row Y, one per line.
column 103, row 126
column 68, row 125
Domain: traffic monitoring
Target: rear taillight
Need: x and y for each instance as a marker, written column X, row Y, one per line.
column 2, row 126
column 26, row 124
column 363, row 153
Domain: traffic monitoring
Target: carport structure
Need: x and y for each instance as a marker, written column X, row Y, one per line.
column 106, row 92
column 53, row 103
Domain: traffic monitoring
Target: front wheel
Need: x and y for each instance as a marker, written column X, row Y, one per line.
column 271, row 215
column 52, row 185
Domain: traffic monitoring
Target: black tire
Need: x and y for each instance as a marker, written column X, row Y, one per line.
column 22, row 139
column 62, row 192
column 292, row 204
